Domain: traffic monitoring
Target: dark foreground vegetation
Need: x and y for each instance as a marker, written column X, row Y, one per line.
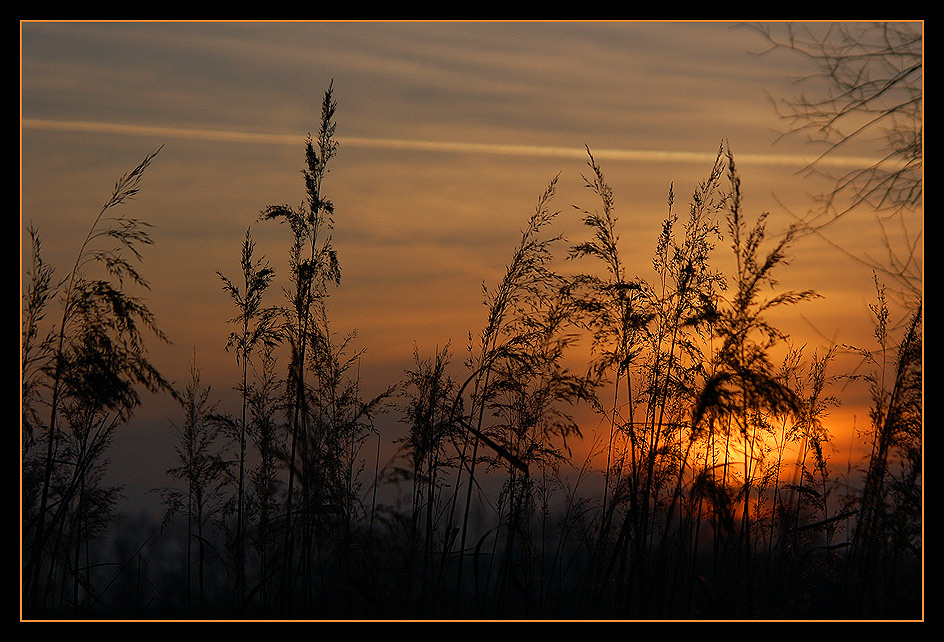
column 718, row 501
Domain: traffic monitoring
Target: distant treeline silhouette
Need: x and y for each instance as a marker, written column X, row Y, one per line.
column 718, row 499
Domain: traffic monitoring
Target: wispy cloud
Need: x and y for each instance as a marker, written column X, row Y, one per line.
column 626, row 155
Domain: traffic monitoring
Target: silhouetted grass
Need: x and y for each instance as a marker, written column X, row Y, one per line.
column 718, row 498
column 92, row 365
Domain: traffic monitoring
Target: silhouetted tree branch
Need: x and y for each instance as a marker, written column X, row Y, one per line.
column 867, row 91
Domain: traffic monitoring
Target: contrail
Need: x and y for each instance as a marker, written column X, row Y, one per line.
column 627, row 155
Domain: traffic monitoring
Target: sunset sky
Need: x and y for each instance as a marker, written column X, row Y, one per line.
column 448, row 133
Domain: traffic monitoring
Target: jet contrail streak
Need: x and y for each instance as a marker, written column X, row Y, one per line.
column 626, row 155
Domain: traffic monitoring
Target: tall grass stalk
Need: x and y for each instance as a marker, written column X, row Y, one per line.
column 311, row 225
column 97, row 358
column 616, row 317
column 888, row 533
column 526, row 274
column 256, row 329
column 204, row 465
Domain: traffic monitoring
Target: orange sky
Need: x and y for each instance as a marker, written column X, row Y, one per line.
column 448, row 134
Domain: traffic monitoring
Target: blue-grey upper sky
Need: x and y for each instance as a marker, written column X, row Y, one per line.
column 676, row 86
column 448, row 133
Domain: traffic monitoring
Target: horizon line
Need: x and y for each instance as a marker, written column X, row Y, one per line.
column 624, row 155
